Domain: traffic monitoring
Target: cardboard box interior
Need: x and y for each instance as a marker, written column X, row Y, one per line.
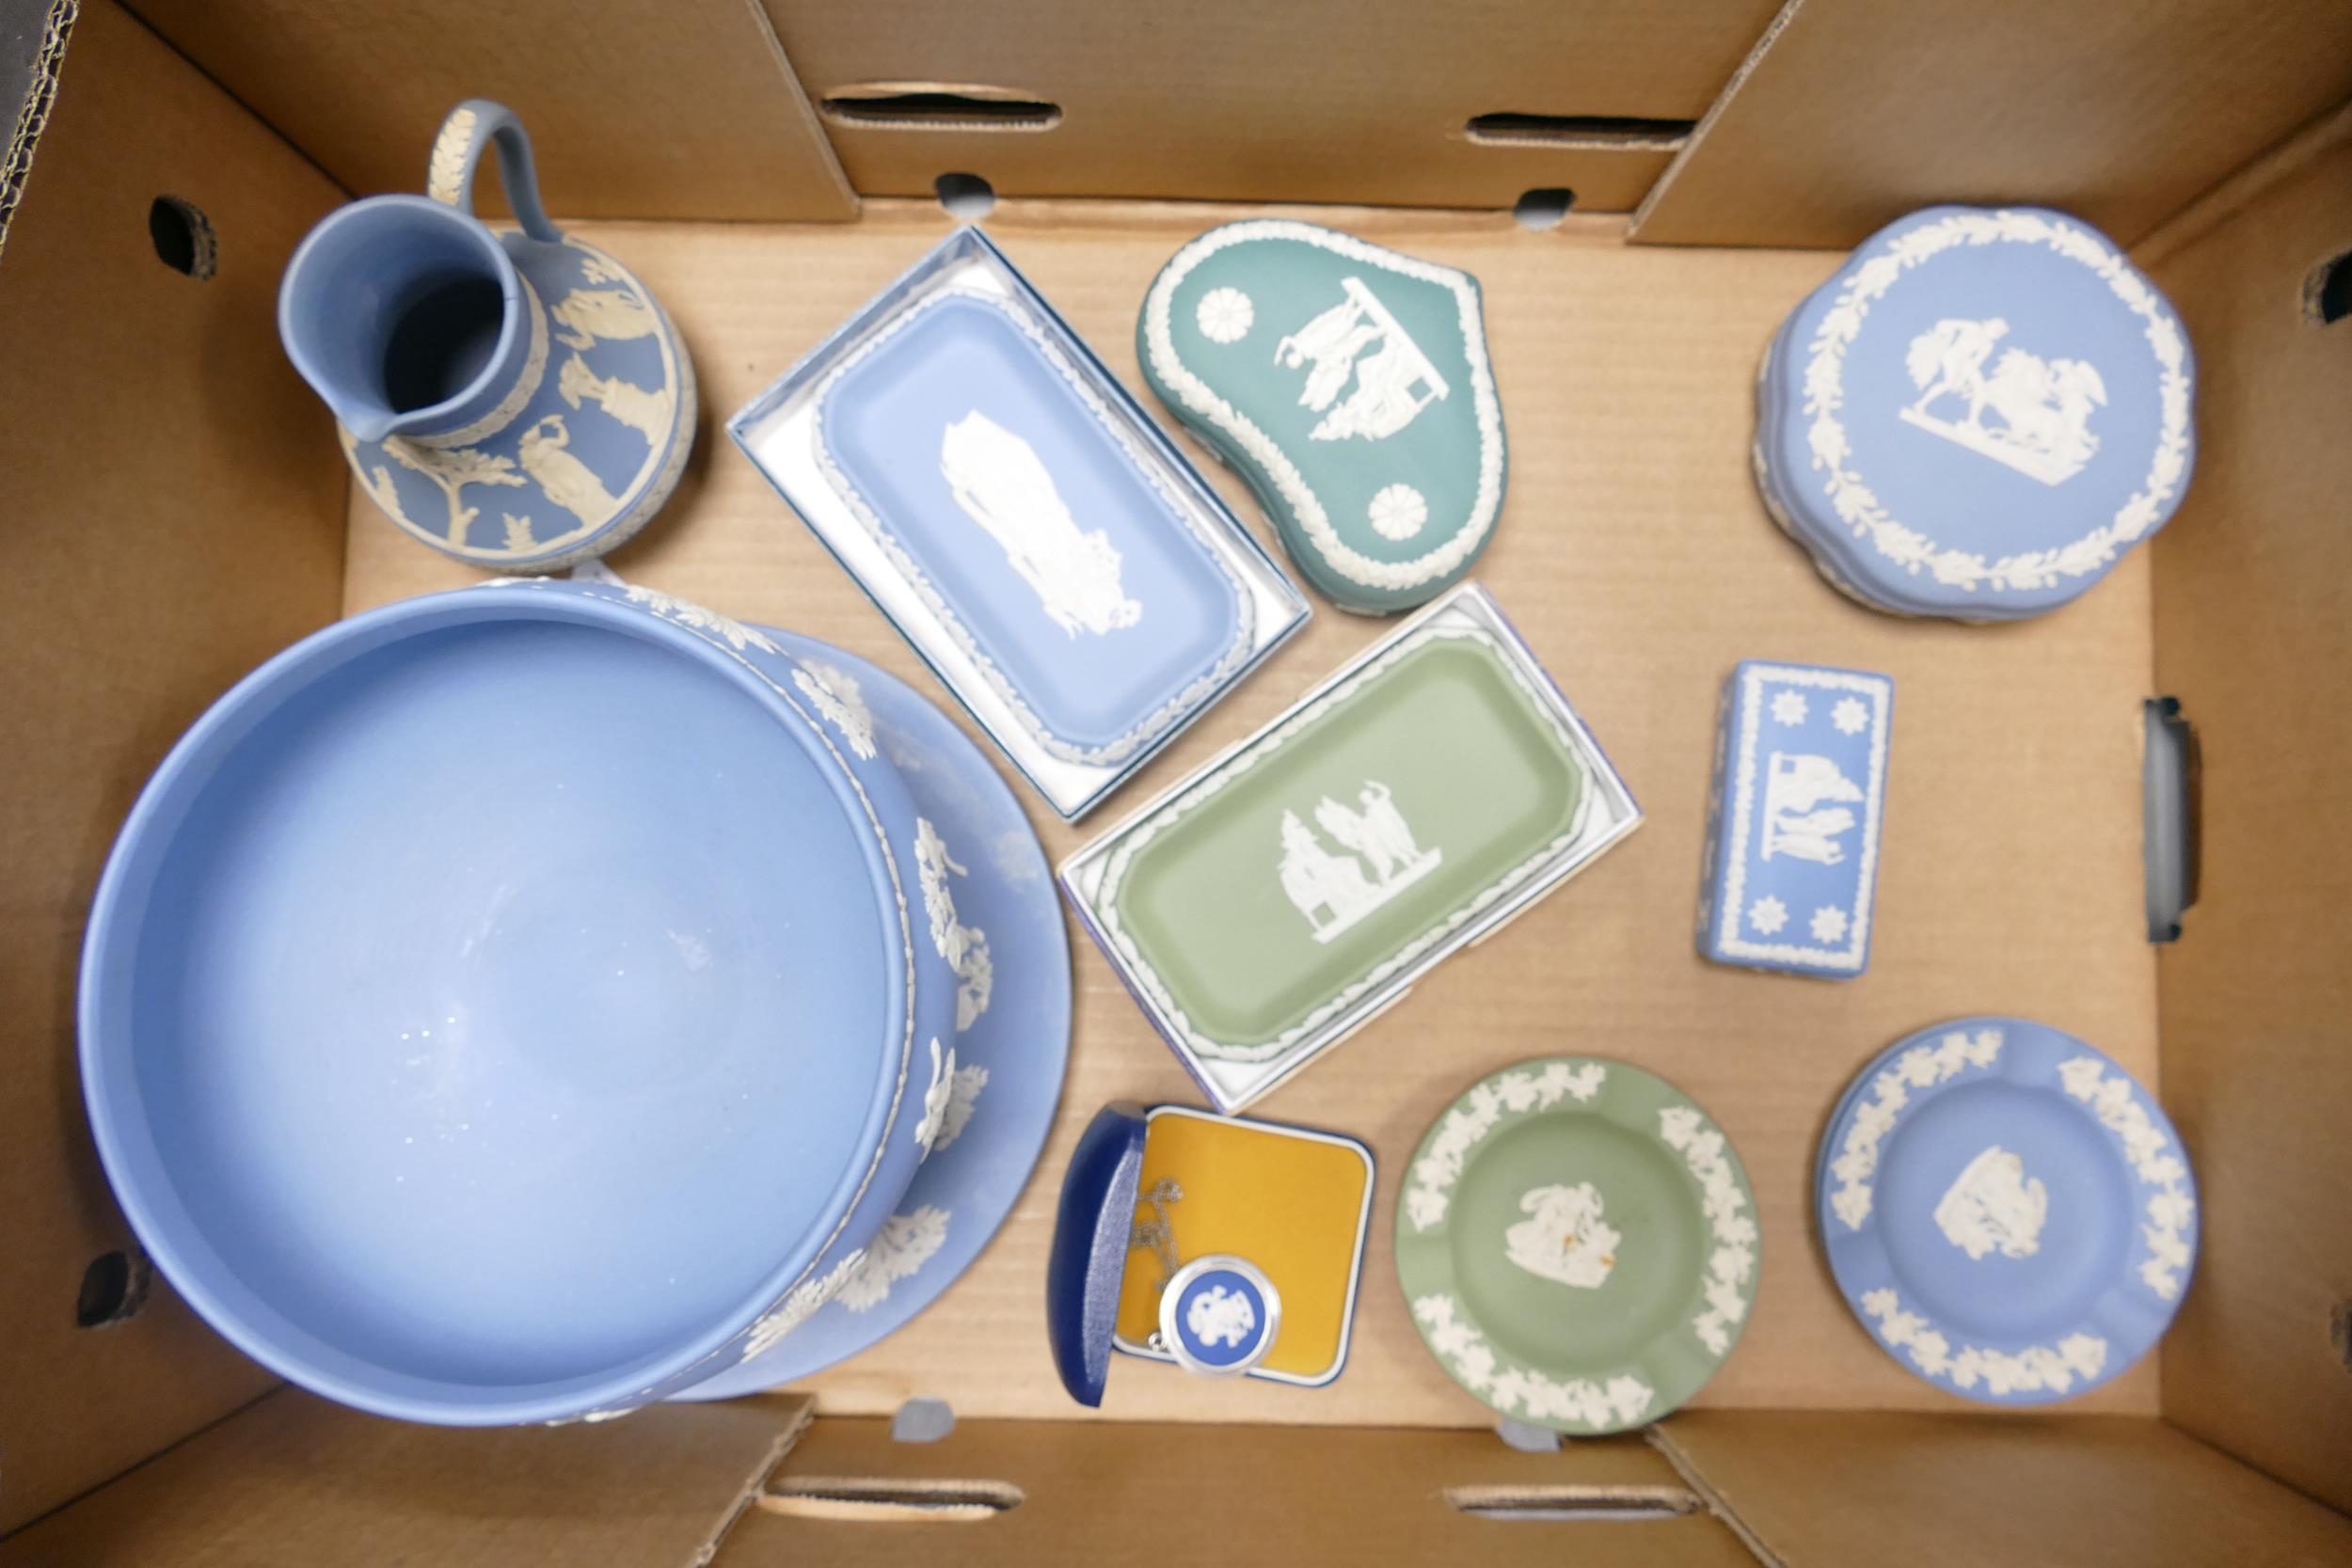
column 177, row 510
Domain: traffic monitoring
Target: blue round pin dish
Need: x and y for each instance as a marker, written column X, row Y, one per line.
column 1219, row 1315
column 2009, row 1211
column 1980, row 415
column 1012, row 1044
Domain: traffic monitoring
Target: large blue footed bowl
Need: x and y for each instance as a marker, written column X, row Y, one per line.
column 518, row 1003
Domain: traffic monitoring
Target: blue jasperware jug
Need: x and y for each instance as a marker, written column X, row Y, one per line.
column 512, row 398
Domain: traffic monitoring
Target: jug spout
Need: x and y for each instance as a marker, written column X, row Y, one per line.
column 408, row 318
column 368, row 421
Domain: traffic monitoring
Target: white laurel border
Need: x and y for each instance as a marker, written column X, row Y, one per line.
column 2171, row 1207
column 1139, row 967
column 1200, row 398
column 1859, row 508
column 1731, row 1267
column 1153, row 725
column 1514, row 1387
column 2030, row 1370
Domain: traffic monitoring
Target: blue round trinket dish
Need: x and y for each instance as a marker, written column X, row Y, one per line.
column 1012, row 1035
column 1978, row 416
column 2010, row 1212
column 519, row 1003
column 516, row 399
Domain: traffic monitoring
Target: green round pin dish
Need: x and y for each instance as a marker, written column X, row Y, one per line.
column 1577, row 1241
column 1349, row 383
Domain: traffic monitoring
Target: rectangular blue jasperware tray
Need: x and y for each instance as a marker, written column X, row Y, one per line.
column 1013, row 511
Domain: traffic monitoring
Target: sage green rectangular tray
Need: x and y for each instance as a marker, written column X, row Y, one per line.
column 1270, row 905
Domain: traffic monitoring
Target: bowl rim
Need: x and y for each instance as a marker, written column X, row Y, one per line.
column 140, row 1178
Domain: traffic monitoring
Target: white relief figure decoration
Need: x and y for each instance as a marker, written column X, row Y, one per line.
column 2040, row 408
column 798, row 1307
column 963, row 1098
column 648, row 412
column 1992, row 1206
column 936, row 1098
column 1334, row 891
column 964, row 947
column 517, row 532
column 1220, row 1317
column 837, row 696
column 612, row 314
column 1567, row 1238
column 1359, row 340
column 451, row 469
column 999, row 482
column 569, row 483
column 1803, row 817
column 376, row 481
column 905, row 1243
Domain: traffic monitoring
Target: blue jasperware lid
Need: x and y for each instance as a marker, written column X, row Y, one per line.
column 1979, row 414
column 2009, row 1211
column 1092, row 1231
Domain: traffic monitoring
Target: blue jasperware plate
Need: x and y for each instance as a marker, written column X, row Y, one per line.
column 1002, row 489
column 1009, row 1056
column 2009, row 1211
column 1980, row 415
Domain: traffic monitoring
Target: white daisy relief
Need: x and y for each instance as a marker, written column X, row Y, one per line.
column 1768, row 914
column 1398, row 512
column 1225, row 315
column 1828, row 923
column 1849, row 716
column 1790, row 706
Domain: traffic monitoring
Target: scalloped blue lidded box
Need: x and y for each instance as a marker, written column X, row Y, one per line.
column 1789, row 881
column 1010, row 508
column 1978, row 416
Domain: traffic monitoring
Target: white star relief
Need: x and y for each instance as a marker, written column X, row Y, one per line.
column 1828, row 923
column 1849, row 716
column 1768, row 914
column 1790, row 706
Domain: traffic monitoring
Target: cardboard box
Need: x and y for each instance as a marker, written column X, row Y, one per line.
column 173, row 509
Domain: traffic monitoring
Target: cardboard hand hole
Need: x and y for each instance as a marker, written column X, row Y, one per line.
column 1586, row 133
column 1553, row 1504
column 113, row 1288
column 878, row 1500
column 182, row 237
column 1543, row 207
column 965, row 196
column 937, row 106
column 2327, row 291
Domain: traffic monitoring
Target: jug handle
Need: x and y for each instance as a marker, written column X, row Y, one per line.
column 457, row 151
